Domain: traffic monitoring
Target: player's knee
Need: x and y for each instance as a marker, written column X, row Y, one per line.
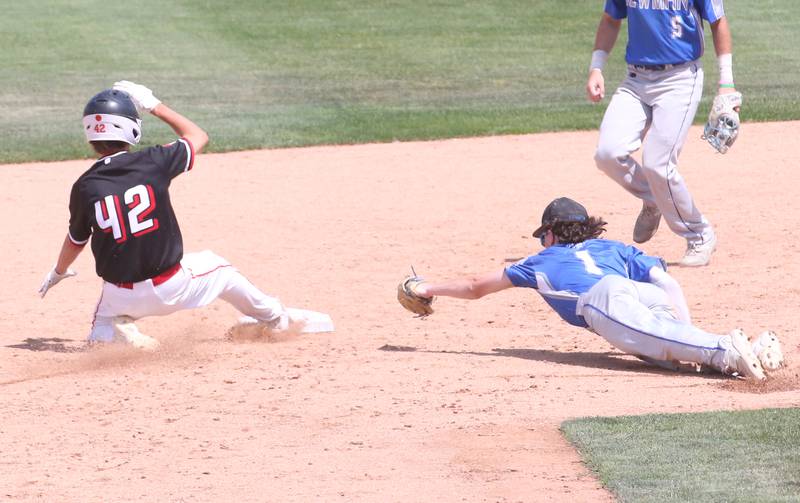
column 606, row 159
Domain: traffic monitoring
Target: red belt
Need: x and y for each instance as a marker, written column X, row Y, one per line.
column 157, row 280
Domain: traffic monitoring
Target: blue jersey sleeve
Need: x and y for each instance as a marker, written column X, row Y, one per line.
column 639, row 264
column 616, row 9
column 522, row 274
column 710, row 10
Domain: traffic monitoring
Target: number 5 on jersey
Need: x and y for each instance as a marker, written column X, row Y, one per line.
column 140, row 201
column 677, row 27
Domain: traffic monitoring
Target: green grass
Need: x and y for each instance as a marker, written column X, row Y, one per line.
column 743, row 457
column 262, row 73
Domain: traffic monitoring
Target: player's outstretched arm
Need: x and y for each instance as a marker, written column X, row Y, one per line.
column 466, row 288
column 661, row 279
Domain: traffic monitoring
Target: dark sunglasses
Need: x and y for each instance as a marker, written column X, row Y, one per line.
column 541, row 238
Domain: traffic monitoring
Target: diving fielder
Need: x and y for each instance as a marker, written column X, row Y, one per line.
column 615, row 291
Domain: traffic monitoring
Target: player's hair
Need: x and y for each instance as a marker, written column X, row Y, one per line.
column 577, row 232
column 106, row 147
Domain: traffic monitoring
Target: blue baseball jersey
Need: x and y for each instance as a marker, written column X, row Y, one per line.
column 662, row 32
column 562, row 272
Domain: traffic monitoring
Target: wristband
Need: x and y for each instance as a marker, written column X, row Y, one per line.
column 729, row 86
column 725, row 62
column 599, row 58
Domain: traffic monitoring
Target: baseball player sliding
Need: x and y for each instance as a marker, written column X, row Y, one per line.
column 122, row 204
column 611, row 289
column 654, row 107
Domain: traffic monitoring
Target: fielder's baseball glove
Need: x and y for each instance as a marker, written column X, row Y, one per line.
column 722, row 127
column 410, row 300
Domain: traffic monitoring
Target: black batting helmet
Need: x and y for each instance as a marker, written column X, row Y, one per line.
column 111, row 115
column 562, row 209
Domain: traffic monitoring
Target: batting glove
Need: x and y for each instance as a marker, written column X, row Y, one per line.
column 141, row 95
column 52, row 280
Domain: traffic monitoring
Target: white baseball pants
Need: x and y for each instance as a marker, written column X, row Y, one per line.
column 653, row 110
column 637, row 318
column 202, row 278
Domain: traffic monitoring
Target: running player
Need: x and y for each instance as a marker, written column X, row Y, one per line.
column 654, row 107
column 616, row 291
column 122, row 204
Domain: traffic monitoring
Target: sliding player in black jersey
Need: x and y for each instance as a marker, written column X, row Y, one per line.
column 122, row 204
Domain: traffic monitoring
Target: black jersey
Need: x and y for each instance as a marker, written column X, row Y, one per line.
column 122, row 203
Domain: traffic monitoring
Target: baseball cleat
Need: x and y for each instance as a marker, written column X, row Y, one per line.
column 280, row 323
column 745, row 362
column 646, row 223
column 768, row 350
column 125, row 330
column 699, row 254
column 310, row 322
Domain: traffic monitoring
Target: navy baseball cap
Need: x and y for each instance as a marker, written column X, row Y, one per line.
column 562, row 209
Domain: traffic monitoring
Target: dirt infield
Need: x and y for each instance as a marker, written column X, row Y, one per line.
column 461, row 406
